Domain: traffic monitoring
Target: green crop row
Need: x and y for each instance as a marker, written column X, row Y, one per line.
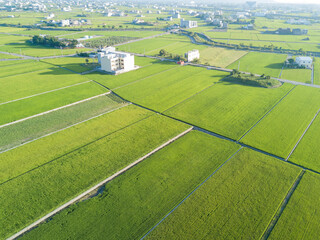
column 28, row 130
column 166, row 89
column 30, row 106
column 24, row 85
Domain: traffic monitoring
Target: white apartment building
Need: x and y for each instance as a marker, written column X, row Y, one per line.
column 304, row 62
column 65, row 22
column 192, row 55
column 188, row 23
column 115, row 62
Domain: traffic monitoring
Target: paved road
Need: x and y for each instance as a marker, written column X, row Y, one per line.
column 242, row 39
column 23, row 57
column 226, row 70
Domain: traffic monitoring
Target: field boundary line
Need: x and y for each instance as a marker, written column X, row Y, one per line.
column 100, row 184
column 72, row 125
column 183, row 200
column 53, row 110
column 66, row 153
column 39, row 70
column 282, row 206
column 312, row 75
column 304, row 133
column 138, row 80
column 38, row 94
column 195, row 127
column 193, row 95
column 280, row 74
column 267, row 113
column 238, row 59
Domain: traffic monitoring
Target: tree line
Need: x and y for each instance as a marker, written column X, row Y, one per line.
column 51, row 41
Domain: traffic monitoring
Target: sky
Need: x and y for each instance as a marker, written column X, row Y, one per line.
column 299, row 1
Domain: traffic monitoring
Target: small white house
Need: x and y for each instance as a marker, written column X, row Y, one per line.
column 50, row 16
column 304, row 62
column 115, row 62
column 192, row 55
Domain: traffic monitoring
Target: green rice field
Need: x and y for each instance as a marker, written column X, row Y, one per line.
column 260, row 63
column 307, row 153
column 238, row 201
column 28, row 130
column 37, row 82
column 281, row 129
column 136, row 200
column 13, row 111
column 300, row 219
column 67, row 175
column 228, row 109
column 166, row 89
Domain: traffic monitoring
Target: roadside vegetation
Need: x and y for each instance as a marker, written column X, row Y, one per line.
column 252, row 79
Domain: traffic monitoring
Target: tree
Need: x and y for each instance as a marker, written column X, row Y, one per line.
column 87, row 60
column 234, row 71
column 162, row 52
column 197, row 60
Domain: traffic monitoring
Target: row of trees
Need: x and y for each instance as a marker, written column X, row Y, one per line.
column 51, row 41
column 108, row 41
column 164, row 53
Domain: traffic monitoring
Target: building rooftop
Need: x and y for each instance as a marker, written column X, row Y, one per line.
column 304, row 58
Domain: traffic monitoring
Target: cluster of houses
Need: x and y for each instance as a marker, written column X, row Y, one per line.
column 300, row 21
column 114, row 13
column 69, row 22
column 116, row 62
column 288, row 31
column 299, row 62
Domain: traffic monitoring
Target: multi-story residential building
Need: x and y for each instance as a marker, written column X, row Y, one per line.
column 304, row 62
column 192, row 55
column 115, row 62
column 188, row 23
